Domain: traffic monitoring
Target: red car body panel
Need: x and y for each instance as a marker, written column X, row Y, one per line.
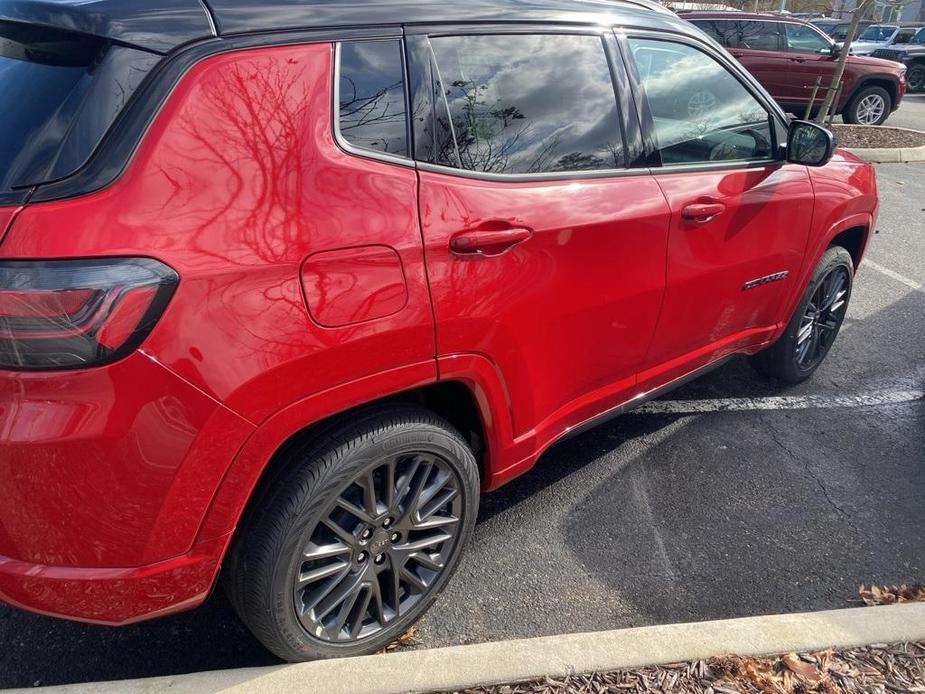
column 313, row 281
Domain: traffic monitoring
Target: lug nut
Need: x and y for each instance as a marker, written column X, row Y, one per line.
column 387, row 522
column 361, row 557
column 379, row 559
column 394, row 537
column 366, row 534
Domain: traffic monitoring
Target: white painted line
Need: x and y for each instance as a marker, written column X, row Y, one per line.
column 902, row 279
column 784, row 402
column 460, row 667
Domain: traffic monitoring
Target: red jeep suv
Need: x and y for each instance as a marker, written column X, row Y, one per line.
column 285, row 284
column 788, row 56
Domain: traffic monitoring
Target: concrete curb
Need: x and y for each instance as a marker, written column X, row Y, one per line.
column 458, row 667
column 889, row 155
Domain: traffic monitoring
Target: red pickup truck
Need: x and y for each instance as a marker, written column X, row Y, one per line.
column 787, row 56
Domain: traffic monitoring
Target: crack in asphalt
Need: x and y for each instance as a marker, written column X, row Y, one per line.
column 806, row 466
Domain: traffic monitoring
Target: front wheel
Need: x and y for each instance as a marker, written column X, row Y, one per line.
column 916, row 78
column 353, row 542
column 870, row 106
column 814, row 325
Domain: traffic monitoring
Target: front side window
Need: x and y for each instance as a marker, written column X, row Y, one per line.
column 877, row 32
column 522, row 104
column 700, row 112
column 371, row 95
column 919, row 36
column 804, row 39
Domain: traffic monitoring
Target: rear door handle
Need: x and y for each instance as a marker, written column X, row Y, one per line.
column 488, row 243
column 702, row 212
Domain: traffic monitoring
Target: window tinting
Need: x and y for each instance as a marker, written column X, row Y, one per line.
column 700, row 112
column 522, row 104
column 372, row 96
column 44, row 76
column 803, row 39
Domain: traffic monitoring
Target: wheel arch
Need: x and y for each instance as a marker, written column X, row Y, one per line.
column 854, row 240
column 887, row 82
column 263, row 456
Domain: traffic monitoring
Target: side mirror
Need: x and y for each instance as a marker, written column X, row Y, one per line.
column 834, row 50
column 809, row 144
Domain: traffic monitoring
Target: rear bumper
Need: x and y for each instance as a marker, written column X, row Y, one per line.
column 113, row 596
column 108, row 467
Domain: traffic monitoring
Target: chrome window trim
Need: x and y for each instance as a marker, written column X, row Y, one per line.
column 339, row 138
column 529, row 178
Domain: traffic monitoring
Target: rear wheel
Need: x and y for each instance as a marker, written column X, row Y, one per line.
column 815, row 324
column 353, row 543
column 870, row 106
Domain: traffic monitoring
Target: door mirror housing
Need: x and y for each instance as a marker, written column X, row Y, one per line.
column 834, row 50
column 809, row 144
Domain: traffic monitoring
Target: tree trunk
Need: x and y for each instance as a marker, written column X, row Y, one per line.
column 842, row 59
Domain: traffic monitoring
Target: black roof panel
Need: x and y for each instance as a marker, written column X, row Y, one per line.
column 156, row 25
column 244, row 16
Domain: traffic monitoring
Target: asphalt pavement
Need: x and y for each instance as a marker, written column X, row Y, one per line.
column 655, row 517
column 910, row 114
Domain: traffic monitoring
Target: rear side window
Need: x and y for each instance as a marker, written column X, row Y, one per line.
column 43, row 74
column 371, row 96
column 60, row 93
column 521, row 104
column 759, row 36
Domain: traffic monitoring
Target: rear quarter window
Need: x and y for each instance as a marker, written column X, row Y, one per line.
column 60, row 93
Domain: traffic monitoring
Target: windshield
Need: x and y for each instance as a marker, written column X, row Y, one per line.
column 877, row 32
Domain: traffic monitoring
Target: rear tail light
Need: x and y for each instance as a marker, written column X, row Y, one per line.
column 67, row 314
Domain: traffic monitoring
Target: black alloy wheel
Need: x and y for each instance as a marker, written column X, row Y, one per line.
column 379, row 547
column 356, row 534
column 822, row 319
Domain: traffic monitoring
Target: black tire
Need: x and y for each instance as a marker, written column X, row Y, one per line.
column 855, row 112
column 782, row 360
column 915, row 78
column 267, row 566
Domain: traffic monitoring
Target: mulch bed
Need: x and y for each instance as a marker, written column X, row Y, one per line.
column 876, row 136
column 871, row 670
column 874, row 669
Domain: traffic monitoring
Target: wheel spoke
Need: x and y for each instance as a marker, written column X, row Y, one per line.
column 344, row 535
column 424, row 542
column 360, row 614
column 321, row 572
column 435, row 522
column 368, row 484
column 347, row 588
column 414, row 580
column 353, row 510
column 315, row 552
column 424, row 560
column 435, row 504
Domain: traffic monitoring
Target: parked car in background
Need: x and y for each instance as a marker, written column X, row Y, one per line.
column 788, row 56
column 285, row 286
column 912, row 55
column 837, row 29
column 882, row 36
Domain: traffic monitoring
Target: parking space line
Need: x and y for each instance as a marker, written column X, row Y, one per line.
column 785, row 402
column 902, row 279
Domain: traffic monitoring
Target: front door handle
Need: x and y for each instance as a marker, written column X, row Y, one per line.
column 701, row 212
column 489, row 243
